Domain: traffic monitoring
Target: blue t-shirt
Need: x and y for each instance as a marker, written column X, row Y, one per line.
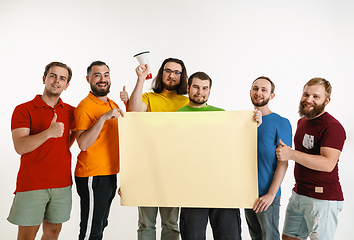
column 272, row 128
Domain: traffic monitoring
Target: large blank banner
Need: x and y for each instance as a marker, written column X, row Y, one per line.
column 188, row 159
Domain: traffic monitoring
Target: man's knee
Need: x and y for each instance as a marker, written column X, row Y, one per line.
column 51, row 230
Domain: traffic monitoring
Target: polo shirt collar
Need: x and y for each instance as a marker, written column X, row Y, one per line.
column 97, row 100
column 38, row 102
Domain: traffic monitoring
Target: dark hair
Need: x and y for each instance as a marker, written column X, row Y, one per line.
column 272, row 89
column 58, row 64
column 157, row 85
column 201, row 76
column 95, row 63
column 323, row 82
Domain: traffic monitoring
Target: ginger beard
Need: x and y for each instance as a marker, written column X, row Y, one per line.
column 311, row 113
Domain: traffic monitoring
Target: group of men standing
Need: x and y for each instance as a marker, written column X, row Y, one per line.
column 44, row 129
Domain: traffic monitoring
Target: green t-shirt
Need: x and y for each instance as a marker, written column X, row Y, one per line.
column 206, row 108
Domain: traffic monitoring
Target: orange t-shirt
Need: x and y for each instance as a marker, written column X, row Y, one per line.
column 102, row 158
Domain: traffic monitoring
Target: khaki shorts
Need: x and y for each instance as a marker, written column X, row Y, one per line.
column 32, row 207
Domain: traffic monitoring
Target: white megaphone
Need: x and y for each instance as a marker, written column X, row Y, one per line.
column 143, row 58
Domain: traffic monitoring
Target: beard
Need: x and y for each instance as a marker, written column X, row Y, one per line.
column 260, row 104
column 199, row 102
column 171, row 86
column 100, row 92
column 310, row 114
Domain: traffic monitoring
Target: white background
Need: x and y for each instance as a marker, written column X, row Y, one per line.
column 233, row 41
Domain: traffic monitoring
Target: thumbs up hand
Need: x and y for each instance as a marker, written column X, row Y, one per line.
column 56, row 129
column 124, row 96
column 284, row 152
column 281, row 143
column 54, row 118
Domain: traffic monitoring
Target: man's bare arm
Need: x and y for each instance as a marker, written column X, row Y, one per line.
column 324, row 162
column 25, row 143
column 135, row 103
column 266, row 200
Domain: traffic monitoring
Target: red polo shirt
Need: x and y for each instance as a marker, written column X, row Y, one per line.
column 48, row 166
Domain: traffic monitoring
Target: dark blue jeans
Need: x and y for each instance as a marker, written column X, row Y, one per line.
column 225, row 223
column 264, row 225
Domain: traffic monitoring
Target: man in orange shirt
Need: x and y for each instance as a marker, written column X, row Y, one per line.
column 98, row 162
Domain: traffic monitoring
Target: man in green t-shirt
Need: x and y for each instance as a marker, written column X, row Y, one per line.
column 225, row 222
column 198, row 88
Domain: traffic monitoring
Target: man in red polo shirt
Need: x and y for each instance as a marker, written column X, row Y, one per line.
column 42, row 133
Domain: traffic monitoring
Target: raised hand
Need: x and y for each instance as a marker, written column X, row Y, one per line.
column 124, row 96
column 142, row 71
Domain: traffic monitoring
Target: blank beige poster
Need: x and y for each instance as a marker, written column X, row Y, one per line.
column 188, row 159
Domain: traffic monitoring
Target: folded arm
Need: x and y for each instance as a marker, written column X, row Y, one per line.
column 86, row 138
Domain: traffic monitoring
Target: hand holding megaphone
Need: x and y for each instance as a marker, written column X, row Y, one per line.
column 142, row 71
column 143, row 59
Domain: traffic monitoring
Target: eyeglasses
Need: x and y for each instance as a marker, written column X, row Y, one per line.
column 169, row 71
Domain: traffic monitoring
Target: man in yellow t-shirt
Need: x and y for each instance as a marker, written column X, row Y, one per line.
column 168, row 87
column 98, row 162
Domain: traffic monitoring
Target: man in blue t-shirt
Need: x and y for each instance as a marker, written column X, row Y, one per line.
column 263, row 219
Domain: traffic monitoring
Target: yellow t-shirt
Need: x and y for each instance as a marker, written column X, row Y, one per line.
column 102, row 157
column 164, row 102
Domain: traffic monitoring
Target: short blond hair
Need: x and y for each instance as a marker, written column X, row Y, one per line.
column 323, row 82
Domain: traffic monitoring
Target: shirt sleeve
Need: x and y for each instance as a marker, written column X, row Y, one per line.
column 333, row 136
column 73, row 123
column 83, row 119
column 285, row 132
column 145, row 98
column 20, row 118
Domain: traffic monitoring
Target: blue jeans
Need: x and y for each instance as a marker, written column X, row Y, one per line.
column 147, row 223
column 225, row 223
column 264, row 225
